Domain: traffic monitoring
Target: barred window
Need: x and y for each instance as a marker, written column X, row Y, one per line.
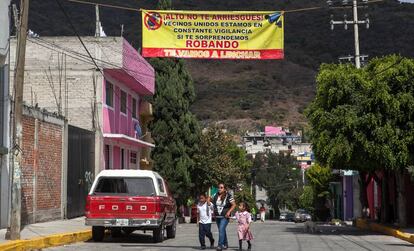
column 123, row 102
column 109, row 94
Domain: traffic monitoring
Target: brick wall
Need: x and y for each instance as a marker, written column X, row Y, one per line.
column 42, row 169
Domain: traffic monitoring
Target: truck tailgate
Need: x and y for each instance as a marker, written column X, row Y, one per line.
column 127, row 207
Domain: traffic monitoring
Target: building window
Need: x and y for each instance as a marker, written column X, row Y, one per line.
column 134, row 108
column 133, row 158
column 109, row 94
column 123, row 102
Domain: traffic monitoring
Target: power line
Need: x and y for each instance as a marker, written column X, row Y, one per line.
column 98, row 60
column 105, row 5
column 77, row 34
column 89, row 54
column 389, row 67
column 138, row 10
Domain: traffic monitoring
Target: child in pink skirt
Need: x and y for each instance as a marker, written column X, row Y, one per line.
column 244, row 218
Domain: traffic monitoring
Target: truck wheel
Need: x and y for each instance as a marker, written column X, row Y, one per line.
column 116, row 232
column 127, row 231
column 98, row 233
column 158, row 234
column 171, row 230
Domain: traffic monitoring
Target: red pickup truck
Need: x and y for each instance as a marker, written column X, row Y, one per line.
column 127, row 200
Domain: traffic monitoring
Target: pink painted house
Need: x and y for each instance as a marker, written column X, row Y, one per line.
column 110, row 106
column 125, row 113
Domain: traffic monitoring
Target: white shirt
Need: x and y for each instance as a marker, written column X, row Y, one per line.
column 220, row 204
column 202, row 212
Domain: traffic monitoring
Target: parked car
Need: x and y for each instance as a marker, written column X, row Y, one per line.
column 290, row 217
column 301, row 215
column 123, row 201
column 287, row 216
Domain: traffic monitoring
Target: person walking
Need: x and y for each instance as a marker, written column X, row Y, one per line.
column 244, row 220
column 224, row 205
column 254, row 212
column 204, row 219
column 262, row 213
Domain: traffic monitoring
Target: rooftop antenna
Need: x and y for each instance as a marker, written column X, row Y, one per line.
column 98, row 22
column 99, row 32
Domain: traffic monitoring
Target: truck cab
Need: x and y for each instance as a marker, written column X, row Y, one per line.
column 123, row 201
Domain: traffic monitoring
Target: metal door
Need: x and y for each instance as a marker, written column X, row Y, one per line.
column 81, row 159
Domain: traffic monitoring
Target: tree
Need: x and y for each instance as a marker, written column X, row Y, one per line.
column 175, row 129
column 306, row 199
column 278, row 174
column 220, row 160
column 291, row 199
column 319, row 178
column 362, row 119
column 245, row 195
column 336, row 118
column 390, row 105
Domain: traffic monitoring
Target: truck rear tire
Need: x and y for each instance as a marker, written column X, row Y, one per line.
column 98, row 233
column 158, row 234
column 127, row 231
column 171, row 230
column 116, row 232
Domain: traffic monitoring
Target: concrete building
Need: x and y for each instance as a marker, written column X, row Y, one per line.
column 277, row 141
column 4, row 113
column 260, row 142
column 103, row 110
column 61, row 78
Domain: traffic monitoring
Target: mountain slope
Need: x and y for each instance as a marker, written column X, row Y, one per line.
column 262, row 91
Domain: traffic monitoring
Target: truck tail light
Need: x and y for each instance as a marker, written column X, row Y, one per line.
column 87, row 206
column 157, row 205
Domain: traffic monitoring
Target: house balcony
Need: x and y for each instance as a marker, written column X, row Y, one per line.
column 131, row 69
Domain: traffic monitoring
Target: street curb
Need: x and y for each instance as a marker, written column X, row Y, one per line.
column 47, row 241
column 364, row 224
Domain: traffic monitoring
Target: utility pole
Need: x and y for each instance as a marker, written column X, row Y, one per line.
column 15, row 215
column 356, row 34
column 355, row 22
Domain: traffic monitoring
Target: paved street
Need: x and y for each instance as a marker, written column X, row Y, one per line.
column 269, row 236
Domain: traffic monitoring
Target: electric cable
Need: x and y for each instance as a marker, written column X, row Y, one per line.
column 138, row 9
column 89, row 54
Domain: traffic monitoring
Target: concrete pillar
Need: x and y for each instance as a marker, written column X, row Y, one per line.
column 4, row 156
column 64, row 180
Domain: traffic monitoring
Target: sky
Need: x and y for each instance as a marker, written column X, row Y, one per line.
column 407, row 1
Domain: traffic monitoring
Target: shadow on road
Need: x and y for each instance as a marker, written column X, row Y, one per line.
column 138, row 239
column 330, row 230
column 400, row 245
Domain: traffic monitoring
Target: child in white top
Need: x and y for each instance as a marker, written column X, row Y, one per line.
column 205, row 211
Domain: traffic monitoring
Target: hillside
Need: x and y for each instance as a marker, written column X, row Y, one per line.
column 251, row 93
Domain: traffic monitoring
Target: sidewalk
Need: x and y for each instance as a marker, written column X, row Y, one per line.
column 48, row 234
column 403, row 234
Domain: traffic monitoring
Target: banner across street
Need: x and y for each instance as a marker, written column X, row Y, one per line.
column 213, row 34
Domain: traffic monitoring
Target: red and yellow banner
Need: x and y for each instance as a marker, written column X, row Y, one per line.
column 213, row 34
